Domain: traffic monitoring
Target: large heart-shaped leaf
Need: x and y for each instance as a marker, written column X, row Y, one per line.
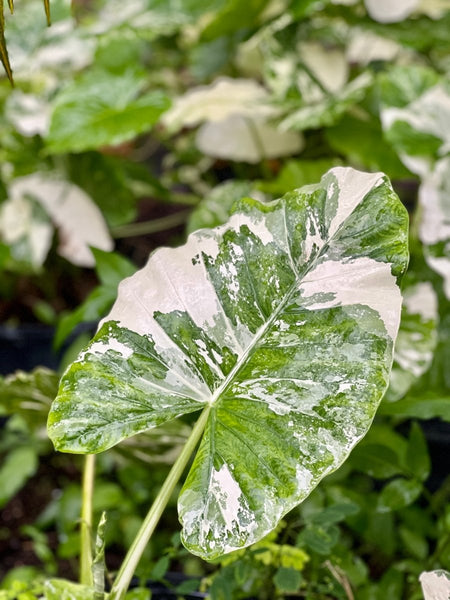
column 281, row 321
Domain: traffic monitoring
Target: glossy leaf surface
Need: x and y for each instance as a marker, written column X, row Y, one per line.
column 282, row 320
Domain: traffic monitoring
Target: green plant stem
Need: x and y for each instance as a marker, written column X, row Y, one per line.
column 86, row 520
column 143, row 536
column 152, row 226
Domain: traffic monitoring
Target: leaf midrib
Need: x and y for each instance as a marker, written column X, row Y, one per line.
column 264, row 328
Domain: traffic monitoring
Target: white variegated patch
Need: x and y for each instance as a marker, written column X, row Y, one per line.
column 247, row 139
column 217, row 101
column 78, row 219
column 365, row 47
column 29, row 237
column 434, row 228
column 435, row 585
column 328, row 65
column 358, row 278
column 386, row 11
column 416, row 340
column 435, row 9
column 430, row 113
column 352, row 187
column 29, row 113
column 421, row 299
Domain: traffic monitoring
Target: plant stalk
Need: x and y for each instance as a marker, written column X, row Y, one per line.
column 154, row 226
column 143, row 536
column 86, row 520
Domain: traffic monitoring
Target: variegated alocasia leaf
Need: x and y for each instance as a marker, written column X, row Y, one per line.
column 78, row 219
column 420, row 131
column 280, row 322
column 416, row 340
column 434, row 226
column 246, row 139
column 216, row 102
column 330, row 109
column 385, row 11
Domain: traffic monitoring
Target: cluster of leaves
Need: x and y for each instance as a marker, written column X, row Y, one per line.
column 237, row 100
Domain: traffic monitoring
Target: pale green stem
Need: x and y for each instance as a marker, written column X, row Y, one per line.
column 146, row 227
column 86, row 520
column 126, row 571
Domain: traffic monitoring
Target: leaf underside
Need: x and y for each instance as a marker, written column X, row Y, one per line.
column 282, row 320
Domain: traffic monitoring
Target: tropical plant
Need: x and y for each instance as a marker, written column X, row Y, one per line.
column 154, row 110
column 285, row 288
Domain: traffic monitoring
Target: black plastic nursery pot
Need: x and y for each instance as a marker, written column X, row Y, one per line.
column 437, row 434
column 25, row 347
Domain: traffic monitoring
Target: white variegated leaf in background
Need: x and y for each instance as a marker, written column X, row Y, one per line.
column 278, row 325
column 39, row 54
column 216, row 102
column 247, row 139
column 328, row 66
column 234, row 113
column 421, row 133
column 386, row 11
column 434, row 227
column 28, row 113
column 421, row 129
column 435, row 9
column 78, row 220
column 435, row 585
column 26, row 229
column 416, row 340
column 365, row 47
column 330, row 109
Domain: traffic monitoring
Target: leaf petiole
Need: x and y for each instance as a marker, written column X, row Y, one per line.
column 86, row 520
column 143, row 536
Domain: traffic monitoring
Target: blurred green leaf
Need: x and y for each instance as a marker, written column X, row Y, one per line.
column 329, row 110
column 287, row 580
column 397, row 494
column 160, row 568
column 187, row 587
column 111, row 267
column 415, row 543
column 417, row 457
column 103, row 109
column 215, row 208
column 29, row 395
column 361, row 142
column 139, row 594
column 424, row 407
column 391, row 585
column 234, row 16
column 400, row 85
column 376, row 460
column 296, row 173
column 319, row 539
column 17, row 467
column 61, row 589
column 335, row 513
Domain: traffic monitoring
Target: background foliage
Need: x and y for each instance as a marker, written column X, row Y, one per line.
column 155, row 117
